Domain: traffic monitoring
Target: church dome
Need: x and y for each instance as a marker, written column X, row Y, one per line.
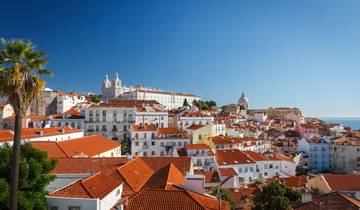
column 243, row 100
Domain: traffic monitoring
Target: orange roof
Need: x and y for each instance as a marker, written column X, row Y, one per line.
column 294, row 181
column 168, row 131
column 159, row 199
column 72, row 111
column 84, row 165
column 6, row 135
column 52, row 149
column 343, row 182
column 307, row 126
column 135, row 173
column 331, row 201
column 231, row 140
column 150, row 127
column 27, row 133
column 98, row 185
column 211, row 176
column 197, row 146
column 195, row 127
column 156, row 163
column 227, row 172
column 88, row 146
column 232, row 157
column 165, row 178
column 195, row 114
column 281, row 156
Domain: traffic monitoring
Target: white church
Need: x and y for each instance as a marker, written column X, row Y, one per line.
column 171, row 100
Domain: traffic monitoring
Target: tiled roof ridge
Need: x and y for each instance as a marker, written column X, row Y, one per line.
column 350, row 199
column 56, row 143
column 199, row 194
column 88, row 178
column 129, row 162
column 72, row 183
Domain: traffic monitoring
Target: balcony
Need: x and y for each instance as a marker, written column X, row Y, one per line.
column 90, row 130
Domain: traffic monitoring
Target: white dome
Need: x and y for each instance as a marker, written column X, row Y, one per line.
column 243, row 100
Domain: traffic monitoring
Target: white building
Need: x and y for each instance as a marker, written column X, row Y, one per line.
column 318, row 151
column 147, row 140
column 96, row 192
column 114, row 119
column 43, row 134
column 194, row 118
column 67, row 101
column 72, row 117
column 6, row 110
column 201, row 156
column 170, row 100
column 251, row 165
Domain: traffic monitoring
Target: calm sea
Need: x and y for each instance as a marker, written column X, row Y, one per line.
column 353, row 123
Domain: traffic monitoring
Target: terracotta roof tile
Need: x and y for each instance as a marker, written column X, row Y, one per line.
column 135, row 173
column 232, row 157
column 88, row 146
column 84, row 165
column 227, row 172
column 96, row 186
column 195, row 127
column 331, row 201
column 197, row 146
column 343, row 182
column 72, row 111
column 27, row 133
column 150, row 127
column 155, row 199
column 156, row 163
column 166, row 177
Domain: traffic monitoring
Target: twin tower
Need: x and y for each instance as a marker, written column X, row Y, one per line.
column 111, row 89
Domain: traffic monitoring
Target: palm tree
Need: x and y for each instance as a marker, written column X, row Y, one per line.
column 21, row 66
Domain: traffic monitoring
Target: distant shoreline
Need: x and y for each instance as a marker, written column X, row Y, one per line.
column 353, row 122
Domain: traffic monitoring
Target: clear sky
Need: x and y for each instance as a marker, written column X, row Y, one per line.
column 281, row 53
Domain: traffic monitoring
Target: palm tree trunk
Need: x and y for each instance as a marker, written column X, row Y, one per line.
column 15, row 161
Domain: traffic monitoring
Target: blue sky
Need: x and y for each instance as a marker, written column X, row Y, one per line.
column 280, row 52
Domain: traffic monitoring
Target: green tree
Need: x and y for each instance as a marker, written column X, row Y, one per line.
column 34, row 177
column 21, row 66
column 94, row 98
column 276, row 196
column 224, row 194
column 204, row 105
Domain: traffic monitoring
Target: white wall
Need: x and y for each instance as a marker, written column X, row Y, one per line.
column 65, row 203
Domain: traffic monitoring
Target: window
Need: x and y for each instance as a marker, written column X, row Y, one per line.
column 179, row 143
column 117, row 192
column 162, row 153
column 136, row 143
column 240, row 170
column 54, row 208
column 251, row 169
column 246, row 169
column 144, row 154
column 162, row 144
column 152, row 153
column 153, row 143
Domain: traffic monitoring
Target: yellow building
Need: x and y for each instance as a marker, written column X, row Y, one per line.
column 201, row 134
